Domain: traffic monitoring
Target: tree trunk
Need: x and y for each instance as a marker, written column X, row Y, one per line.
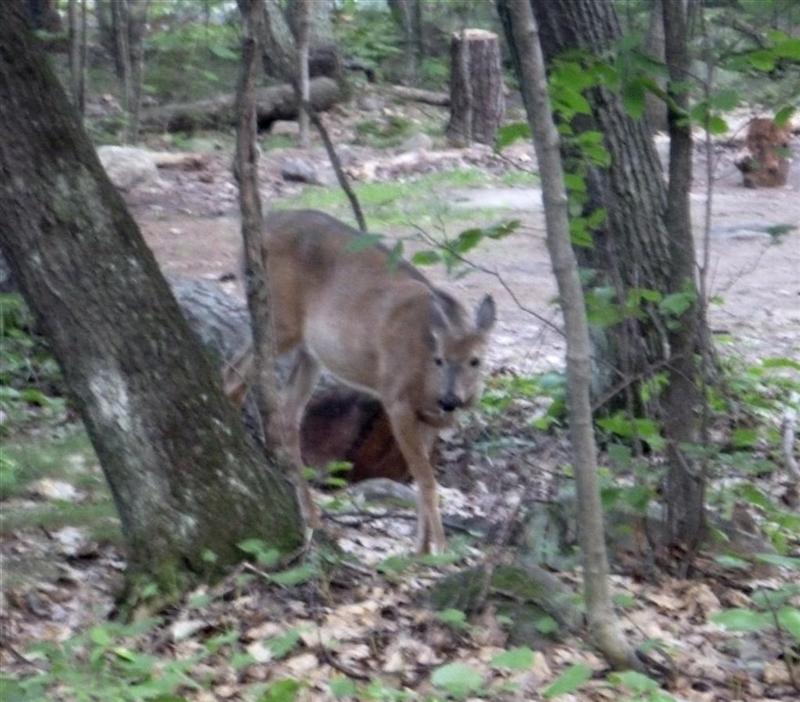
column 137, row 20
column 631, row 248
column 42, row 14
column 184, row 477
column 684, row 490
column 77, row 53
column 531, row 73
column 273, row 103
column 408, row 16
column 301, row 37
column 477, row 102
column 656, row 108
column 119, row 14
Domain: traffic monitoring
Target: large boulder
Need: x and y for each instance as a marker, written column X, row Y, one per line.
column 128, row 167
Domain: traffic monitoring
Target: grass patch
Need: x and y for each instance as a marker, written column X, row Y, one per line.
column 422, row 201
column 69, row 458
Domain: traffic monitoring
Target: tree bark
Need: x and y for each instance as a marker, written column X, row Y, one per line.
column 531, row 73
column 137, row 20
column 273, row 103
column 184, row 477
column 119, row 14
column 684, row 490
column 631, row 248
column 477, row 102
column 656, row 108
column 301, row 37
column 408, row 16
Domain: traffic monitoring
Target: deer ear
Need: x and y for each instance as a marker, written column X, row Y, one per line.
column 485, row 314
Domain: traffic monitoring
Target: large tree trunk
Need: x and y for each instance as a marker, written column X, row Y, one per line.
column 656, row 108
column 477, row 101
column 183, row 475
column 531, row 72
column 273, row 103
column 408, row 16
column 631, row 249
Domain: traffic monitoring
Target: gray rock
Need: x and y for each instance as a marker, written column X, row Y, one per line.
column 417, row 142
column 285, row 127
column 128, row 167
column 300, row 171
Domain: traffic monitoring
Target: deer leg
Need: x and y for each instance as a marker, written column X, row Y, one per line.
column 302, row 380
column 415, row 441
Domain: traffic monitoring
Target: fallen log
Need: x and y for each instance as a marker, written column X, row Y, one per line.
column 272, row 103
column 429, row 97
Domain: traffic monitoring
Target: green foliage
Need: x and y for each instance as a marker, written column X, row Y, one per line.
column 30, row 378
column 641, row 687
column 514, row 659
column 281, row 691
column 569, row 681
column 454, row 618
column 384, row 133
column 191, row 61
column 458, row 680
column 368, row 32
column 503, row 391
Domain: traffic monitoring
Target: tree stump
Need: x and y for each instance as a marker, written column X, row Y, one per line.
column 340, row 424
column 477, row 102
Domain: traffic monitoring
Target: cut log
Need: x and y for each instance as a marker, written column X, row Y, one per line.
column 477, row 100
column 341, row 424
column 273, row 103
column 428, row 97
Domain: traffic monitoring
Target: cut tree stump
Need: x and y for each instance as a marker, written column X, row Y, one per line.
column 273, row 103
column 341, row 424
column 477, row 100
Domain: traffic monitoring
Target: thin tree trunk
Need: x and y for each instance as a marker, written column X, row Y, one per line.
column 303, row 26
column 256, row 264
column 408, row 16
column 531, row 72
column 184, row 477
column 74, row 54
column 656, row 109
column 119, row 12
column 137, row 19
column 685, row 483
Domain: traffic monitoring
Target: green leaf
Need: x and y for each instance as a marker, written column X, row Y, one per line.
column 789, row 619
column 717, row 125
column 633, row 98
column 453, row 617
column 363, row 242
column 394, row 564
column 426, row 258
column 509, row 133
column 458, row 679
column 789, row 49
column 781, row 362
column 281, row 691
column 677, row 303
column 342, row 687
column 742, row 619
column 100, row 636
column 466, row 240
column 546, row 625
column 294, row 576
column 436, row 560
column 762, row 60
column 732, row 562
column 780, row 561
column 571, row 679
column 634, row 681
column 283, row 643
column 514, row 659
column 745, row 437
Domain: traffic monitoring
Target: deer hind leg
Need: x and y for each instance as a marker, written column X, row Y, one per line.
column 415, row 441
column 302, row 380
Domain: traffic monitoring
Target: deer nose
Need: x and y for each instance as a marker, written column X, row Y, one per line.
column 449, row 402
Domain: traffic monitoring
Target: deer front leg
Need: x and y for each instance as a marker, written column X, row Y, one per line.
column 302, row 380
column 415, row 441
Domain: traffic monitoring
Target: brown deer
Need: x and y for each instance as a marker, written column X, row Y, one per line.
column 378, row 326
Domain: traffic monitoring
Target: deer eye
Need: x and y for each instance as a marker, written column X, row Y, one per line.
column 438, row 360
column 475, row 362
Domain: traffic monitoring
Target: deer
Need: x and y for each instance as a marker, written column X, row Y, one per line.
column 378, row 326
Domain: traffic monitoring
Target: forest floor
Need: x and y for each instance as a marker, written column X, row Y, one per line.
column 371, row 623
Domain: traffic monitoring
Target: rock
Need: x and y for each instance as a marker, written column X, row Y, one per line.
column 74, row 542
column 185, row 628
column 128, row 167
column 299, row 171
column 47, row 489
column 285, row 127
column 302, row 664
column 370, row 103
column 417, row 142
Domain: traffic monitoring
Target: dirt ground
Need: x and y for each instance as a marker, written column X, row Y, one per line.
column 193, row 228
